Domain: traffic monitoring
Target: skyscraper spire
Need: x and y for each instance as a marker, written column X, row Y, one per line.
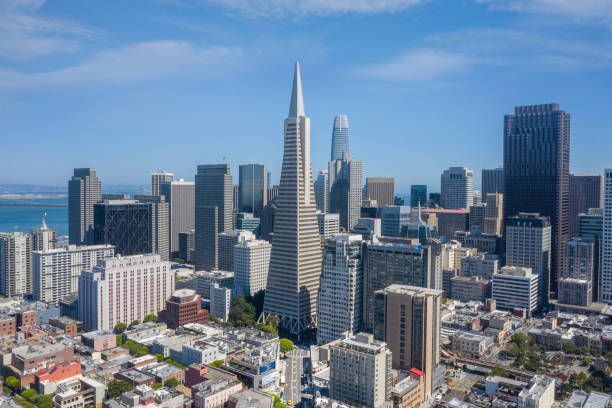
column 296, row 105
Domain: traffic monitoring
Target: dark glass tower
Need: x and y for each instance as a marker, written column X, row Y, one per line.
column 253, row 188
column 536, row 171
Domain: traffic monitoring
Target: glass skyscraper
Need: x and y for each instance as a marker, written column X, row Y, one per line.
column 340, row 139
column 418, row 195
column 253, row 188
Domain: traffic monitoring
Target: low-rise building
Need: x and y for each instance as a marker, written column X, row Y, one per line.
column 540, row 393
column 99, row 340
column 164, row 371
column 135, row 377
column 466, row 288
column 212, row 394
column 471, row 345
column 184, row 306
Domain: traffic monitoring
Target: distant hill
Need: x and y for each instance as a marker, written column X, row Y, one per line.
column 23, row 189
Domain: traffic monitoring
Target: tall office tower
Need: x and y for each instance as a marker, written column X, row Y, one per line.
column 606, row 242
column 213, row 212
column 158, row 221
column 84, row 190
column 492, row 181
column 157, row 178
column 273, row 192
column 516, row 287
column 43, row 237
column 321, row 187
column 418, row 195
column 494, row 214
column 528, row 244
column 590, row 225
column 536, row 171
column 15, row 264
column 226, row 242
column 251, row 266
column 408, row 320
column 55, row 272
column 235, row 198
column 295, row 261
column 585, row 193
column 180, row 195
column 341, row 291
column 576, row 283
column 435, row 199
column 477, row 217
column 253, row 188
column 329, row 224
column 482, row 266
column 186, row 245
column 124, row 224
column 393, row 218
column 360, row 371
column 123, row 289
column 345, row 190
column 246, row 222
column 220, row 301
column 397, row 263
column 341, row 148
column 266, row 223
column 457, row 188
column 381, row 189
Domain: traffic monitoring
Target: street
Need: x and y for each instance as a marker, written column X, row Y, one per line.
column 293, row 378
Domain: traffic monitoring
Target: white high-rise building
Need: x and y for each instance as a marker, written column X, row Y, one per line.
column 515, row 287
column 180, row 195
column 457, row 188
column 157, row 178
column 251, row 266
column 606, row 245
column 227, row 241
column 84, row 190
column 43, row 237
column 220, row 301
column 15, row 264
column 329, row 224
column 55, row 272
column 341, row 291
column 295, row 262
column 124, row 289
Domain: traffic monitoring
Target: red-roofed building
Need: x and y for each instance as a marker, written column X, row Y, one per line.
column 416, row 372
column 46, row 378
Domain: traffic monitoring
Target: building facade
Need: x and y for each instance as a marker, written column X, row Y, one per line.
column 492, row 181
column 321, row 187
column 220, row 301
column 251, row 266
column 15, row 264
column 606, row 244
column 494, row 214
column 184, row 306
column 393, row 218
column 180, row 196
column 418, row 195
column 585, row 193
column 253, row 188
column 381, row 189
column 345, row 190
column 125, row 224
column 159, row 231
column 157, row 178
column 341, row 148
column 43, row 237
column 329, row 224
column 226, row 243
column 457, row 188
column 515, row 287
column 84, row 190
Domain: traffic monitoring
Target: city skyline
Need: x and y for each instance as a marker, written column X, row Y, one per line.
column 378, row 92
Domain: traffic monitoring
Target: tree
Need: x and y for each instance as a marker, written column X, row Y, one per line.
column 29, row 394
column 156, row 386
column 134, row 323
column 268, row 329
column 587, row 362
column 160, row 358
column 115, row 388
column 13, row 383
column 43, row 401
column 500, row 372
column 242, row 312
column 171, row 383
column 120, row 328
column 119, row 340
column 609, row 357
column 149, row 318
column 179, row 260
column 217, row 363
column 273, row 320
column 286, row 345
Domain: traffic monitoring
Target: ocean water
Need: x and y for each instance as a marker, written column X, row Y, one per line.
column 23, row 218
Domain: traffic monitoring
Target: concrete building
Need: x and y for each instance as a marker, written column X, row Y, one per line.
column 483, row 266
column 186, row 245
column 226, row 242
column 220, row 301
column 180, row 196
column 515, row 287
column 579, row 264
column 576, row 292
column 253, row 188
column 251, row 266
column 321, row 188
column 457, row 188
column 157, row 178
column 393, row 218
column 15, row 264
column 341, row 290
column 494, row 214
column 329, row 224
column 84, row 190
column 585, row 192
column 367, row 227
column 606, row 244
column 448, row 221
column 159, row 229
column 43, row 238
column 184, row 306
column 418, row 195
column 213, row 212
column 492, row 181
column 123, row 289
column 528, row 244
column 477, row 217
column 345, row 190
column 467, row 288
column 295, row 261
column 471, row 345
column 381, row 189
column 539, row 393
column 360, row 371
column 408, row 320
column 55, row 272
column 225, row 279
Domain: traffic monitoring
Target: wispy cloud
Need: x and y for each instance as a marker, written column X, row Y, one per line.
column 131, row 64
column 26, row 34
column 580, row 10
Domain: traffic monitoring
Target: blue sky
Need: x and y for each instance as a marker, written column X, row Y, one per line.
column 131, row 86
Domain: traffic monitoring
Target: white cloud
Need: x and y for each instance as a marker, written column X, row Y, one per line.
column 131, row 64
column 580, row 10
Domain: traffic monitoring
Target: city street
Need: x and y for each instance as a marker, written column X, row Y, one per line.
column 293, row 378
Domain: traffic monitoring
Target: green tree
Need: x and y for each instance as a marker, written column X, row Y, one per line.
column 120, row 328
column 13, row 383
column 117, row 387
column 286, row 345
column 29, row 394
column 119, row 339
column 500, row 372
column 44, row 401
column 179, row 260
column 608, row 357
column 171, row 383
column 156, row 386
column 160, row 358
column 268, row 329
column 134, row 323
column 273, row 320
column 242, row 312
column 217, row 363
column 149, row 318
column 587, row 361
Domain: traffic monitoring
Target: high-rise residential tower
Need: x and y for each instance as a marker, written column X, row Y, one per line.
column 380, row 189
column 345, row 190
column 84, row 190
column 457, row 188
column 295, row 262
column 251, row 266
column 606, row 244
column 585, row 193
column 492, row 181
column 15, row 264
column 253, row 188
column 590, row 225
column 536, row 171
column 340, row 139
column 213, row 212
column 418, row 195
column 180, row 196
column 157, row 178
column 43, row 237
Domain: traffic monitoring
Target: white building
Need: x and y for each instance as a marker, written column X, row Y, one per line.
column 341, row 288
column 227, row 241
column 225, row 279
column 55, row 272
column 515, row 287
column 457, row 188
column 15, row 264
column 471, row 345
column 157, row 178
column 43, row 238
column 329, row 224
column 200, row 352
column 251, row 265
column 483, row 266
column 124, row 289
column 220, row 301
column 180, row 195
column 540, row 393
column 606, row 246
